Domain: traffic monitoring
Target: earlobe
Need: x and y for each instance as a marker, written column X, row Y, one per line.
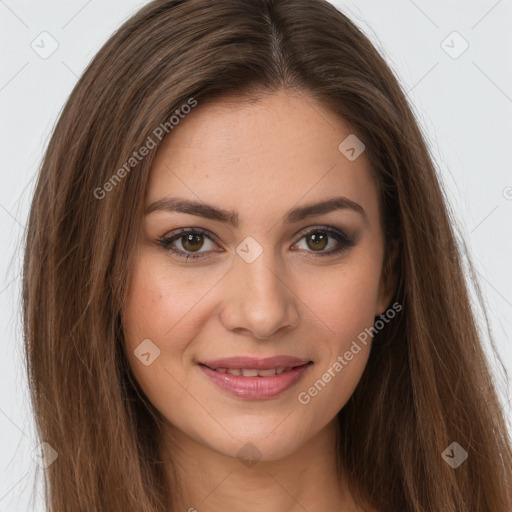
column 388, row 281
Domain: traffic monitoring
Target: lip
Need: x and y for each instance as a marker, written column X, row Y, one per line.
column 255, row 362
column 256, row 388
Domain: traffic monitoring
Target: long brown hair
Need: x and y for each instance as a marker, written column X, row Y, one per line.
column 427, row 382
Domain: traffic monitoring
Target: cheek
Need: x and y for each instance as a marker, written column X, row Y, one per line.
column 163, row 303
column 160, row 306
column 342, row 300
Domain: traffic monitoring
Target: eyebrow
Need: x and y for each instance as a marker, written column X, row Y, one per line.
column 175, row 204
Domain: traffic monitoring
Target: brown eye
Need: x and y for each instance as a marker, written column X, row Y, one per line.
column 188, row 243
column 325, row 241
column 317, row 241
column 192, row 242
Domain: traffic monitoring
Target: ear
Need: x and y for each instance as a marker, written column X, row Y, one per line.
column 388, row 280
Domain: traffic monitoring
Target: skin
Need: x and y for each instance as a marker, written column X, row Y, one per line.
column 262, row 159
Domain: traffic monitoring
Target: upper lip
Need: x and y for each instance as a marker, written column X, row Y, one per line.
column 266, row 363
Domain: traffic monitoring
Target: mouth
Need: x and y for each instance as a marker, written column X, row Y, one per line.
column 254, row 372
column 255, row 379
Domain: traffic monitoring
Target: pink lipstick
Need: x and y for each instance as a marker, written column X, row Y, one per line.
column 254, row 378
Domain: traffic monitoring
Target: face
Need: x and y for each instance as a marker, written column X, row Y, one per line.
column 244, row 314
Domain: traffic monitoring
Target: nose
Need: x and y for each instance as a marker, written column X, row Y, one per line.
column 258, row 300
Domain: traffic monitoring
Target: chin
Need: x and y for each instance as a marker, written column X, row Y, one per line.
column 267, row 444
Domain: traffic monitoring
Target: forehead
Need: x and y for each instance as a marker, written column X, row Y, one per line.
column 265, row 156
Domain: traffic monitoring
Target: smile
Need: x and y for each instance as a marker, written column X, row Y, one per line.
column 255, row 379
column 253, row 372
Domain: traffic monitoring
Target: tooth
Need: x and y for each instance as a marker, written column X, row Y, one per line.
column 234, row 371
column 249, row 372
column 267, row 373
column 280, row 369
column 221, row 370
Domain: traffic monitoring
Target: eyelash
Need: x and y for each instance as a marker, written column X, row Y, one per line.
column 166, row 242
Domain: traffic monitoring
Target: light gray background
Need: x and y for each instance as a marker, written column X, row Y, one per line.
column 464, row 106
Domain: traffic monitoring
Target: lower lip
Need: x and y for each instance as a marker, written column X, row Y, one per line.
column 256, row 388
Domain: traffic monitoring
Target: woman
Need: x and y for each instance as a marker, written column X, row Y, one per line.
column 242, row 288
